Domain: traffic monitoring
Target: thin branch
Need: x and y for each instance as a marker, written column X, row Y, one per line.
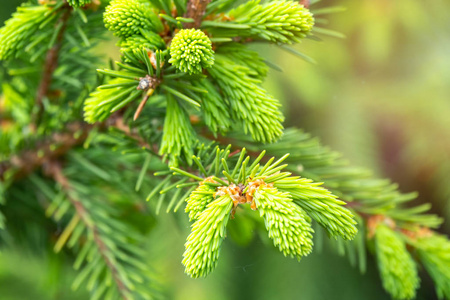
column 56, row 146
column 54, row 169
column 59, row 144
column 305, row 3
column 51, row 62
column 195, row 10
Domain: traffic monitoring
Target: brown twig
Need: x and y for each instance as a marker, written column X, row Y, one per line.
column 140, row 107
column 51, row 62
column 54, row 169
column 305, row 3
column 57, row 145
column 54, row 147
column 195, row 10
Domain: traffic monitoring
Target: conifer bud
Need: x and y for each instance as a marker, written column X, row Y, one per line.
column 191, row 50
column 208, row 232
column 397, row 268
column 198, row 200
column 288, row 226
column 128, row 17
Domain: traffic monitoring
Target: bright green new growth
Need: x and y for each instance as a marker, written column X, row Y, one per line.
column 276, row 21
column 244, row 56
column 198, row 200
column 78, row 3
column 179, row 136
column 288, row 226
column 227, row 96
column 108, row 98
column 434, row 252
column 191, row 50
column 128, row 17
column 397, row 268
column 252, row 105
column 215, row 111
column 208, row 232
column 19, row 30
column 321, row 205
column 148, row 41
column 266, row 189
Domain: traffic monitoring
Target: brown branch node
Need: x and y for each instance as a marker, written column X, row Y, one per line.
column 195, row 10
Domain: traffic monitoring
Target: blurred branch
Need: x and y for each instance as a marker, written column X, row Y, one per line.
column 56, row 146
column 305, row 3
column 54, row 169
column 59, row 144
column 51, row 62
column 196, row 10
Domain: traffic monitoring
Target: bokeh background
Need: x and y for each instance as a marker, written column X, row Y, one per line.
column 381, row 96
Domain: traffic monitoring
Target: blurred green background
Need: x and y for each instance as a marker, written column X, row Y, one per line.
column 381, row 96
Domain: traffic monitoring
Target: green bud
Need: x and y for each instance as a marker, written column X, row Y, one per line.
column 288, row 226
column 397, row 268
column 128, row 17
column 208, row 232
column 198, row 200
column 191, row 50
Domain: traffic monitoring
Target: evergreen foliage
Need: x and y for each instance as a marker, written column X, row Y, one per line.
column 267, row 190
column 19, row 31
column 179, row 136
column 433, row 250
column 127, row 17
column 90, row 147
column 208, row 232
column 322, row 206
column 253, row 106
column 149, row 40
column 198, row 200
column 275, row 21
column 397, row 268
column 288, row 226
column 78, row 3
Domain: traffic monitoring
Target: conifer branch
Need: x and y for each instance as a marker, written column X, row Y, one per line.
column 60, row 143
column 180, row 73
column 54, row 169
column 51, row 61
column 53, row 148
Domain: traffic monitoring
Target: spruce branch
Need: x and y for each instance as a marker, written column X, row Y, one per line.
column 208, row 232
column 166, row 74
column 59, row 144
column 50, row 149
column 397, row 267
column 267, row 189
column 288, row 226
column 51, row 61
column 54, row 170
column 433, row 250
